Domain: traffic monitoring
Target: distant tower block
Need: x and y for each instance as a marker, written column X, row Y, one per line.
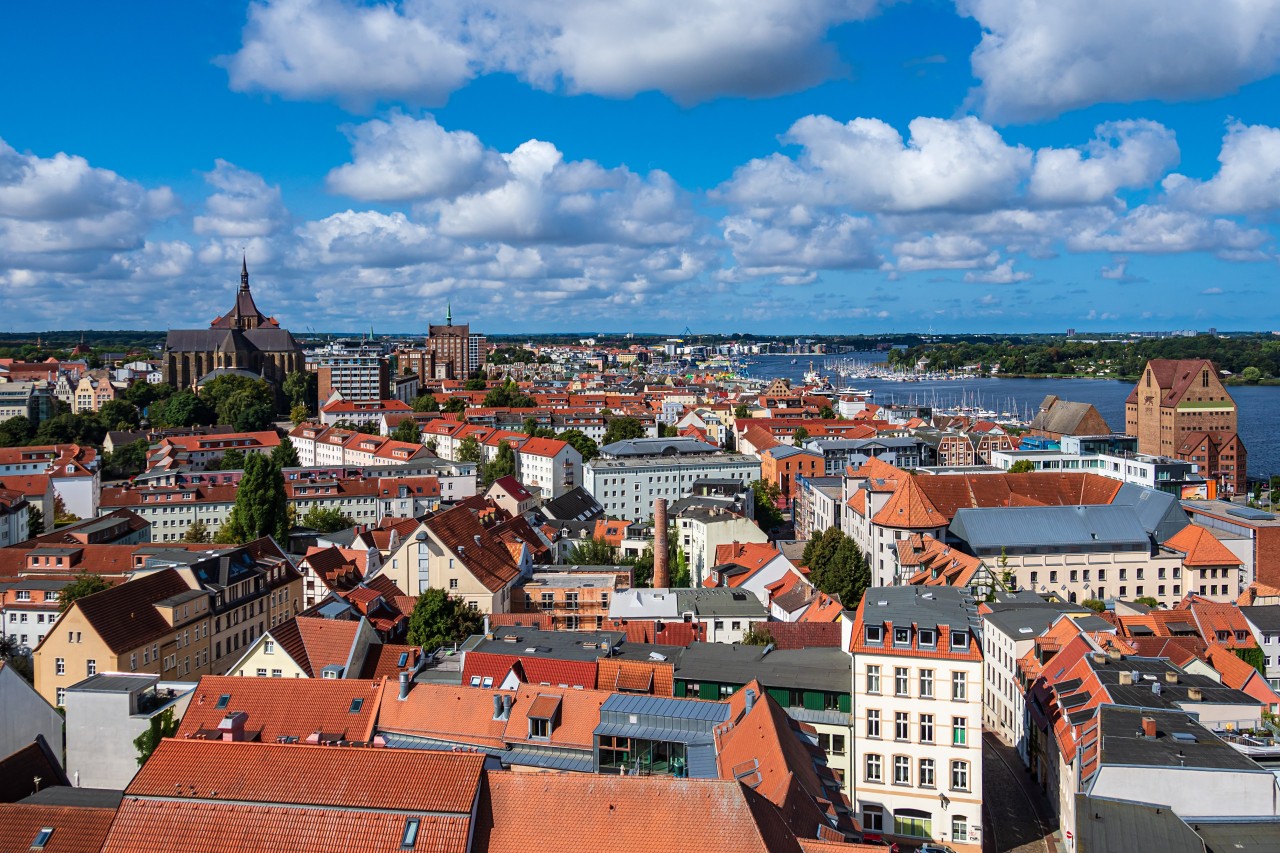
column 661, row 572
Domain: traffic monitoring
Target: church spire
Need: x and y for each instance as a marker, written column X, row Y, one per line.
column 244, row 272
column 448, row 316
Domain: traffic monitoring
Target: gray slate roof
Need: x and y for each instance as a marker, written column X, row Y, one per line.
column 1265, row 616
column 1105, row 825
column 815, row 668
column 1089, row 528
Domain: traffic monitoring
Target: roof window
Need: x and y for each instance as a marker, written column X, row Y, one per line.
column 42, row 838
column 410, row 837
column 223, row 701
column 356, row 705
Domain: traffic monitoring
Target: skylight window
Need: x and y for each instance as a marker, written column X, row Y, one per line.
column 404, row 659
column 475, row 681
column 42, row 838
column 223, row 701
column 410, row 838
column 356, row 705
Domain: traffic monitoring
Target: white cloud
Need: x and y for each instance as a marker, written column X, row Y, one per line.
column 1119, row 271
column 1212, row 291
column 782, row 248
column 61, row 213
column 1159, row 230
column 1039, row 58
column 1121, row 154
column 404, row 158
column 942, row 251
column 1002, row 273
column 1248, row 178
column 310, row 49
column 960, row 164
column 244, row 205
column 419, row 51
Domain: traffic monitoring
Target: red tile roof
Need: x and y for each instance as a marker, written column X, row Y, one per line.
column 443, row 712
column 624, row 813
column 1201, row 548
column 125, row 616
column 488, row 560
column 76, row 829
column 277, row 707
column 383, row 661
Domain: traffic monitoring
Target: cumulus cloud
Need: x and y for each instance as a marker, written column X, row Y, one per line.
column 61, row 213
column 1158, row 230
column 1121, row 154
column 1119, row 271
column 960, row 164
column 1002, row 273
column 1039, row 58
column 405, row 158
column 243, row 204
column 1248, row 178
column 419, row 51
column 794, row 248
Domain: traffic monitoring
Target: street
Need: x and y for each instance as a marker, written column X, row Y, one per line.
column 1018, row 816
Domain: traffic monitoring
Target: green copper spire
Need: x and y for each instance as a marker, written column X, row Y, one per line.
column 448, row 314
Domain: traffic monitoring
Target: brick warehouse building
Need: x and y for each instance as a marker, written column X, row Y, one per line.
column 1180, row 409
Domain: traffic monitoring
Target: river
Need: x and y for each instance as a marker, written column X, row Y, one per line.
column 1257, row 406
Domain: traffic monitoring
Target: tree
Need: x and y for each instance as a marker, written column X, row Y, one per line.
column 408, row 430
column 183, row 409
column 641, row 568
column 827, row 413
column 425, row 403
column 127, row 461
column 741, row 411
column 580, row 442
column 232, row 460
column 35, row 520
column 455, row 405
column 1094, row 604
column 327, row 520
column 84, row 584
column 469, row 450
column 503, row 464
column 592, row 552
column 245, row 403
column 119, row 414
column 261, row 508
column 299, row 413
column 668, row 431
column 301, row 389
column 432, row 446
column 1147, row 600
column 285, row 455
column 438, row 619
column 757, row 635
column 197, row 532
column 507, row 395
column 531, row 426
column 1022, row 466
column 144, row 394
column 800, row 436
column 621, row 429
column 16, row 431
column 475, row 383
column 1251, row 374
column 163, row 725
column 837, row 566
column 766, row 496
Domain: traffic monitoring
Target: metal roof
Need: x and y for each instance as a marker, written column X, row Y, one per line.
column 1045, row 528
column 815, row 668
column 925, row 606
column 658, row 706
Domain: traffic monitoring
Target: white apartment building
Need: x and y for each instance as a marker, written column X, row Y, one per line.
column 703, row 529
column 627, row 487
column 548, row 467
column 1007, row 635
column 917, row 707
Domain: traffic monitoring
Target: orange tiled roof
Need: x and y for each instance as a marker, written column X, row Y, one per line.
column 276, row 707
column 443, row 712
column 1201, row 548
column 910, row 508
column 76, row 829
column 936, row 564
column 577, row 714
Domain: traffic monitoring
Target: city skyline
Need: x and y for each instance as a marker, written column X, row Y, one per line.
column 770, row 168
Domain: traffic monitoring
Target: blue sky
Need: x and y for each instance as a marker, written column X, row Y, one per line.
column 769, row 166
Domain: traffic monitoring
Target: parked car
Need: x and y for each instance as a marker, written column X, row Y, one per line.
column 935, row 848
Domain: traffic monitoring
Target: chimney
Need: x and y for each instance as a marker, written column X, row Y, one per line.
column 1115, row 654
column 661, row 571
column 751, row 700
column 506, row 706
column 1149, row 727
column 497, row 706
column 232, row 726
column 1126, row 677
column 1171, row 677
column 404, row 686
column 1194, row 694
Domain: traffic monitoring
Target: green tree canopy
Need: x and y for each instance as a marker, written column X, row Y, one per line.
column 232, row 460
column 197, row 531
column 800, row 436
column 327, row 520
column 741, row 411
column 766, row 495
column 182, row 409
column 757, row 635
column 143, row 394
column 469, row 450
column 580, row 442
column 119, row 414
column 837, row 566
column 16, row 431
column 827, row 413
column 84, row 584
column 1022, row 466
column 455, row 405
column 593, row 552
column 301, row 389
column 439, row 619
column 407, row 430
column 507, row 395
column 285, row 455
column 126, row 461
column 620, row 429
column 475, row 383
column 298, row 414
column 425, row 403
column 503, row 464
column 261, row 508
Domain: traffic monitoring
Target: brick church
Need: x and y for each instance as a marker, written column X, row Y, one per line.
column 243, row 341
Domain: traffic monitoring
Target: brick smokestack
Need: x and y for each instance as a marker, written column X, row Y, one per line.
column 661, row 572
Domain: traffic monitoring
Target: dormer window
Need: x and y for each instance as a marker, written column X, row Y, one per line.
column 927, row 637
column 959, row 639
column 875, row 634
column 902, row 636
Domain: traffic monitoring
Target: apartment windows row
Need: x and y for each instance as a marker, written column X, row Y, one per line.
column 913, row 823
column 924, row 683
column 902, row 728
column 925, row 638
column 1076, row 575
column 874, row 767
